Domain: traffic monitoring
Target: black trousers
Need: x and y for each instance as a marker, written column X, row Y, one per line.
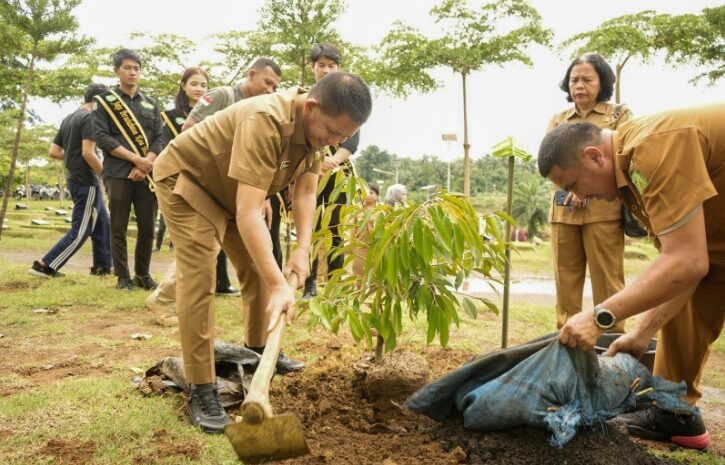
column 274, row 230
column 160, row 232
column 222, row 275
column 122, row 194
column 324, row 199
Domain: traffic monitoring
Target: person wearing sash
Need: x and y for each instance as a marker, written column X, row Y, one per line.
column 193, row 85
column 212, row 182
column 587, row 231
column 75, row 144
column 128, row 130
column 325, row 58
column 262, row 78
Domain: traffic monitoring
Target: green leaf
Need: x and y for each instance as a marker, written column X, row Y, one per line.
column 392, row 267
column 356, row 328
column 470, row 307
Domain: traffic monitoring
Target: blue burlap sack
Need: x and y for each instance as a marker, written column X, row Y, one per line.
column 547, row 385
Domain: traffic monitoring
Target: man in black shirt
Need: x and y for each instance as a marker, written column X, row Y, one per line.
column 75, row 144
column 325, row 58
column 128, row 129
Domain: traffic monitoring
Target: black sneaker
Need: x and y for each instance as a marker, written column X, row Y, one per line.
column 145, row 281
column 100, row 271
column 232, row 291
column 310, row 290
column 205, row 408
column 44, row 271
column 687, row 430
column 284, row 364
column 124, row 284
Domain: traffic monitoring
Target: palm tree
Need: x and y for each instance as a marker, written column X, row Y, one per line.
column 530, row 205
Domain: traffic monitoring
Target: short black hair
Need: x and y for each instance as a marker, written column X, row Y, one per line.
column 92, row 90
column 374, row 188
column 343, row 92
column 327, row 50
column 604, row 71
column 125, row 54
column 261, row 63
column 562, row 146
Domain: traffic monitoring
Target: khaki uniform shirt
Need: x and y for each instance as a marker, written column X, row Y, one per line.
column 668, row 164
column 601, row 115
column 260, row 142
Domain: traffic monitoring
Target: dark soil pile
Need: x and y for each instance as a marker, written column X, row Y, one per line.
column 344, row 428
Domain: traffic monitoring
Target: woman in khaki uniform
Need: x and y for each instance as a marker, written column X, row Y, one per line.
column 587, row 231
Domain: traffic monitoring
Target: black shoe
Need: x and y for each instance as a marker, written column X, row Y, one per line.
column 44, row 271
column 124, row 284
column 100, row 271
column 310, row 290
column 205, row 408
column 284, row 364
column 233, row 291
column 686, row 430
column 145, row 281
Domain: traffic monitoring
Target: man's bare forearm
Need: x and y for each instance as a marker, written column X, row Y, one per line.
column 124, row 154
column 654, row 319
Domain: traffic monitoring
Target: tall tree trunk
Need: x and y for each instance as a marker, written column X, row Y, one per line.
column 466, row 145
column 16, row 142
column 618, row 76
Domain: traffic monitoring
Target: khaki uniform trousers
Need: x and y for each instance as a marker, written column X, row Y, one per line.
column 599, row 244
column 196, row 249
column 684, row 342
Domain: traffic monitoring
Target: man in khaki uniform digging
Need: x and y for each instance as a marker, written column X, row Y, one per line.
column 669, row 169
column 212, row 181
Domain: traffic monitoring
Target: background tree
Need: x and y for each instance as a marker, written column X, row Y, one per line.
column 620, row 39
column 286, row 31
column 530, row 205
column 238, row 50
column 697, row 39
column 294, row 26
column 494, row 33
column 33, row 151
column 43, row 31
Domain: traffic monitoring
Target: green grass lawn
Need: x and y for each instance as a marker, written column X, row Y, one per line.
column 87, row 334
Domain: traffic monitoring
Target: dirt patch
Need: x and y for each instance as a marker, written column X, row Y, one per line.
column 529, row 446
column 12, row 286
column 343, row 428
column 67, row 451
column 168, row 445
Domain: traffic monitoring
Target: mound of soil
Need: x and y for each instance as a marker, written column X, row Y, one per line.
column 344, row 428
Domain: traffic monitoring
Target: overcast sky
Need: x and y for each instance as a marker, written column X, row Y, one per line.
column 513, row 100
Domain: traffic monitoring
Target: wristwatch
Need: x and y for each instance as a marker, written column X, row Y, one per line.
column 605, row 318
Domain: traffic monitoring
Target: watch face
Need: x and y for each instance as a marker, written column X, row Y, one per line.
column 605, row 318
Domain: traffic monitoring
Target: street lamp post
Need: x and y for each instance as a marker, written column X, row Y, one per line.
column 427, row 190
column 377, row 170
column 449, row 138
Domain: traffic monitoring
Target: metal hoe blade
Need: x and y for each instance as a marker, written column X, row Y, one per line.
column 276, row 438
